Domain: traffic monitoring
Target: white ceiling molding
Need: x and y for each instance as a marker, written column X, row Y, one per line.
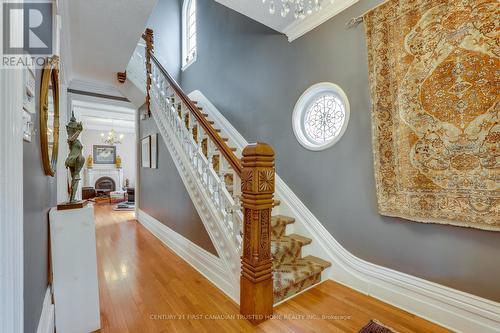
column 289, row 26
column 103, row 117
column 98, row 113
column 113, row 111
column 89, row 124
column 300, row 27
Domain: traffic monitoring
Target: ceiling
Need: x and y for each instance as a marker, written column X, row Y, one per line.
column 102, row 117
column 100, row 35
column 289, row 26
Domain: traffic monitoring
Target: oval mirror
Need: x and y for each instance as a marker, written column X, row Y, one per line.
column 49, row 115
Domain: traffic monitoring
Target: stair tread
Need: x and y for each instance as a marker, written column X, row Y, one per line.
column 292, row 238
column 287, row 249
column 301, row 239
column 295, row 276
column 281, row 219
column 318, row 261
column 298, row 270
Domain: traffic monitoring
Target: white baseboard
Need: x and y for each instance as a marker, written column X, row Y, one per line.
column 203, row 261
column 46, row 323
column 454, row 309
column 450, row 308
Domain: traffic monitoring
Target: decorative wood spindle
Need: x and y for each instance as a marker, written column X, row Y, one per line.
column 149, row 39
column 257, row 186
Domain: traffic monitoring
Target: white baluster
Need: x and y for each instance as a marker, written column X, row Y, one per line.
column 223, row 169
column 236, row 190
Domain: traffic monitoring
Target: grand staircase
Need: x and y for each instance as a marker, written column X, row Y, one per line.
column 292, row 273
column 233, row 190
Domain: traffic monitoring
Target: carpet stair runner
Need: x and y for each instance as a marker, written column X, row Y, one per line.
column 292, row 273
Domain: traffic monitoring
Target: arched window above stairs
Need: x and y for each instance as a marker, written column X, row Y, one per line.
column 188, row 33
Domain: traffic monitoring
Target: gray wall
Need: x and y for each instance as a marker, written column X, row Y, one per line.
column 166, row 18
column 164, row 197
column 39, row 197
column 254, row 77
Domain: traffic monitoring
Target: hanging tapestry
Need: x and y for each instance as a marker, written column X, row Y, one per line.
column 435, row 86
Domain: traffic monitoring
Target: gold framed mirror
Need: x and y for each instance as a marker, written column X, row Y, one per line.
column 49, row 115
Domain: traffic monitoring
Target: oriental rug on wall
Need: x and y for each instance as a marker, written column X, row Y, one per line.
column 434, row 78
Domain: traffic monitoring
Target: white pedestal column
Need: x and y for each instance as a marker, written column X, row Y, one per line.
column 74, row 267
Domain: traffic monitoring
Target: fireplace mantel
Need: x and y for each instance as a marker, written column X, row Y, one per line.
column 92, row 175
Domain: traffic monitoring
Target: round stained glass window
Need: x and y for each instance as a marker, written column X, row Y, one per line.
column 320, row 116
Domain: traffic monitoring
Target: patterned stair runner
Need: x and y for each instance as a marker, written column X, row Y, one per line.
column 291, row 272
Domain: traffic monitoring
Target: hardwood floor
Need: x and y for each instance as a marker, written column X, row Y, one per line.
column 145, row 287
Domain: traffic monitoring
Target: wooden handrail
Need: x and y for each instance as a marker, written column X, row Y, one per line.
column 230, row 156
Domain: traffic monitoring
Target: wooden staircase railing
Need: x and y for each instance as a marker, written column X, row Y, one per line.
column 256, row 173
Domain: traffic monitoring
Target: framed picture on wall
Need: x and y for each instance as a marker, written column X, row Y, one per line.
column 154, row 151
column 146, row 152
column 104, row 154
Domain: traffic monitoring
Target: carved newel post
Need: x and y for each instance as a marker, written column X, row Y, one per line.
column 149, row 39
column 257, row 186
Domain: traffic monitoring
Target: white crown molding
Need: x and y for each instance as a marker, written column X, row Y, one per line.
column 210, row 266
column 454, row 309
column 88, row 125
column 104, row 114
column 300, row 27
column 127, row 112
column 47, row 319
column 11, row 201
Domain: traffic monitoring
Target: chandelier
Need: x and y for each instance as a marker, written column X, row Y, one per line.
column 112, row 138
column 300, row 8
